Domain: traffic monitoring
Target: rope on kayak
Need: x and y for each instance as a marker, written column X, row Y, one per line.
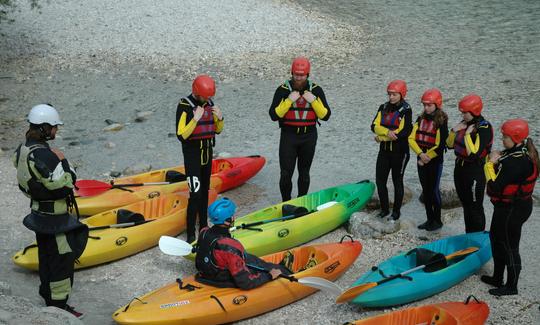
column 28, row 247
column 219, row 302
column 94, row 237
column 188, row 287
column 342, row 238
column 128, row 305
column 469, row 298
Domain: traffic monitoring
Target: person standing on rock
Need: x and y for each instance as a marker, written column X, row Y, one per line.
column 428, row 141
column 471, row 140
column 511, row 176
column 298, row 104
column 198, row 120
column 392, row 125
column 45, row 176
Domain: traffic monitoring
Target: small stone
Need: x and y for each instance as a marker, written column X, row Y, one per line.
column 144, row 114
column 115, row 173
column 171, row 135
column 224, row 155
column 110, row 145
column 114, row 127
column 74, row 143
column 5, row 288
column 109, row 122
column 151, row 146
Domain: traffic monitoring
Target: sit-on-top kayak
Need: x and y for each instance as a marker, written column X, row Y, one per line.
column 227, row 173
column 421, row 284
column 152, row 218
column 198, row 303
column 447, row 313
column 326, row 210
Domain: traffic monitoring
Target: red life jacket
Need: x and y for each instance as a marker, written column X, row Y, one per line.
column 459, row 145
column 206, row 128
column 391, row 120
column 511, row 192
column 301, row 113
column 426, row 134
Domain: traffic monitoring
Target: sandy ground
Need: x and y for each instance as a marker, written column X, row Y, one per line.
column 93, row 73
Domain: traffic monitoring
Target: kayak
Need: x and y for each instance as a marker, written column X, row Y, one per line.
column 153, row 218
column 421, row 284
column 328, row 209
column 227, row 173
column 446, row 313
column 198, row 303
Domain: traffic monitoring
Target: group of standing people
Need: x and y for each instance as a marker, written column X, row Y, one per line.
column 510, row 175
column 45, row 176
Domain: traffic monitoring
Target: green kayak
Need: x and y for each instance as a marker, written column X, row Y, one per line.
column 295, row 222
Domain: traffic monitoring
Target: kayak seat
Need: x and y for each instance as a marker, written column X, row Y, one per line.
column 123, row 216
column 292, row 210
column 172, row 176
column 304, row 258
column 434, row 261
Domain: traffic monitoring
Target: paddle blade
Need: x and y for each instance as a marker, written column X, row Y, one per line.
column 462, row 252
column 353, row 292
column 321, row 284
column 91, row 187
column 174, row 246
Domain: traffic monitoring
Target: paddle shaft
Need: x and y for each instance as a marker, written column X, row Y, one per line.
column 121, row 225
column 139, row 184
column 247, row 225
column 281, row 275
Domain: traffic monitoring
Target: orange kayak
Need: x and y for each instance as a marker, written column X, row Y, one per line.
column 211, row 305
column 164, row 215
column 227, row 173
column 446, row 313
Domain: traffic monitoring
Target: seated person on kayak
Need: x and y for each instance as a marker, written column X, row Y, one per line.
column 222, row 261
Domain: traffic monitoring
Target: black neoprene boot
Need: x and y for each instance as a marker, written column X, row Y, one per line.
column 492, row 280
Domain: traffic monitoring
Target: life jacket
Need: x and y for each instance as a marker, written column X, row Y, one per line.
column 301, row 113
column 30, row 182
column 206, row 128
column 512, row 192
column 461, row 150
column 391, row 120
column 205, row 261
column 426, row 134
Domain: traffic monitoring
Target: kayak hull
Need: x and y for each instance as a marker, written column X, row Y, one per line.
column 227, row 173
column 211, row 305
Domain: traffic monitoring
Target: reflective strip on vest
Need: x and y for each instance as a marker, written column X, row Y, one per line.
column 426, row 134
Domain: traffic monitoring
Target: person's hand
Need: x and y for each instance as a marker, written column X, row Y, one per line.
column 294, row 95
column 420, row 163
column 424, row 158
column 309, row 96
column 274, row 273
column 377, row 139
column 470, row 129
column 494, row 156
column 458, row 127
column 199, row 111
column 58, row 153
column 217, row 112
column 392, row 135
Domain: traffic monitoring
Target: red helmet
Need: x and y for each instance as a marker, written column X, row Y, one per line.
column 300, row 66
column 397, row 86
column 204, row 86
column 471, row 103
column 433, row 96
column 517, row 130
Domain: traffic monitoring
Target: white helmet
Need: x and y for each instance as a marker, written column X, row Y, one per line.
column 44, row 113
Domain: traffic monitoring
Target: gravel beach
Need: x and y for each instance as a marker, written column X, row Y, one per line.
column 99, row 60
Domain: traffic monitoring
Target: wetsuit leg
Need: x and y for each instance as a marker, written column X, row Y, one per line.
column 382, row 170
column 519, row 213
column 423, row 175
column 56, row 266
column 430, row 179
column 206, row 173
column 192, row 162
column 306, row 152
column 398, row 164
column 478, row 215
column 287, row 161
column 464, row 185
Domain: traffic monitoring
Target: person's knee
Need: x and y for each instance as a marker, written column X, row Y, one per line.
column 286, row 175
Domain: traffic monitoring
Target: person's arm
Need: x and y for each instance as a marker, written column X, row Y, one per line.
column 219, row 124
column 412, row 140
column 405, row 125
column 54, row 173
column 440, row 140
column 450, row 140
column 183, row 127
column 320, row 105
column 481, row 140
column 376, row 126
column 510, row 171
column 280, row 104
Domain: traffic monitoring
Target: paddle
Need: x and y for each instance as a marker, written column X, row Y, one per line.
column 91, row 187
column 353, row 292
column 257, row 223
column 121, row 225
column 177, row 247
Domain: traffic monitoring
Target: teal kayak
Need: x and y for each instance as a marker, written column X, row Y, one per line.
column 421, row 284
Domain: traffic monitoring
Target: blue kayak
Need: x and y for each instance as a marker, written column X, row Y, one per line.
column 421, row 284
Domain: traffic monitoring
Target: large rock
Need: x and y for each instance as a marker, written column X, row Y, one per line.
column 449, row 197
column 375, row 204
column 368, row 225
column 19, row 310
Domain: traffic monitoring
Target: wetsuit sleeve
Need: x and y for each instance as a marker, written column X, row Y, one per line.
column 405, row 125
column 53, row 173
column 376, row 126
column 183, row 127
column 218, row 123
column 320, row 105
column 412, row 140
column 450, row 140
column 440, row 141
column 489, row 171
column 513, row 170
column 280, row 104
column 481, row 141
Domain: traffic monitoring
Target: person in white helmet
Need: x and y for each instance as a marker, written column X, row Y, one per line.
column 45, row 176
